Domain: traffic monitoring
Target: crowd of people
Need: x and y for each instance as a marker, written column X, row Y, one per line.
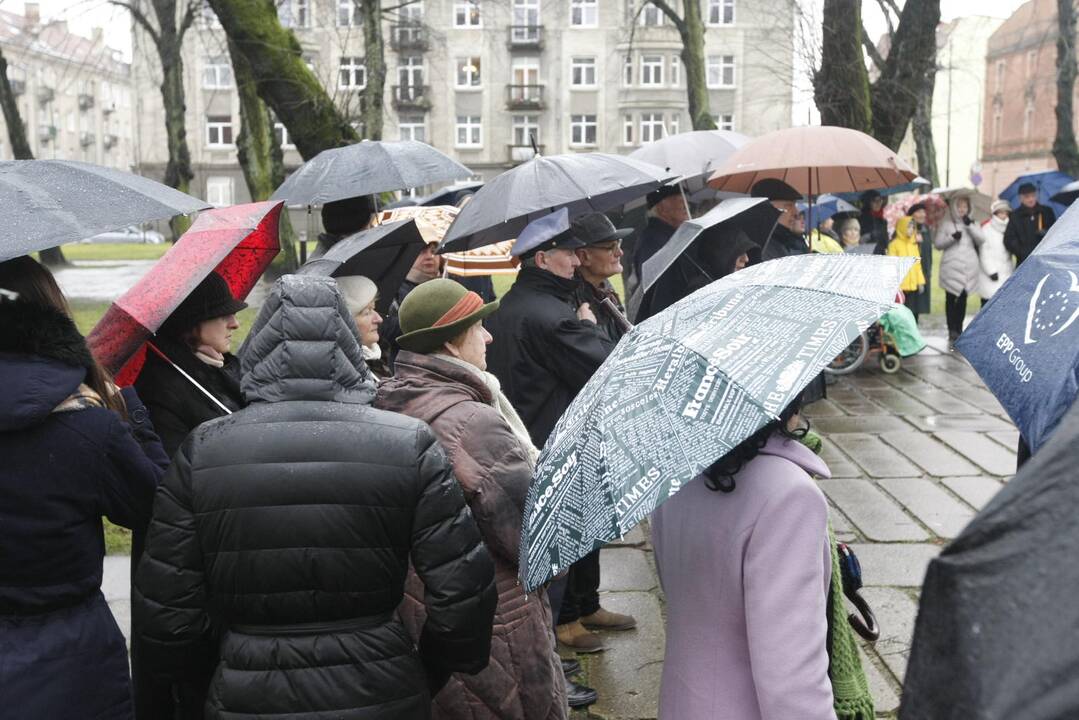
column 328, row 523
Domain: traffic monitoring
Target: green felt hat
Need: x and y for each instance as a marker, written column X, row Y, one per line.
column 438, row 311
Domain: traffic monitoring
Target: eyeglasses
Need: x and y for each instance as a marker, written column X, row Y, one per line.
column 612, row 246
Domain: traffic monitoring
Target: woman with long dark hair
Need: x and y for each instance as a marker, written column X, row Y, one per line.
column 74, row 448
column 744, row 559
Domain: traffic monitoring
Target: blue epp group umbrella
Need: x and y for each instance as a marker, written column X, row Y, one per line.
column 1048, row 183
column 825, row 207
column 685, row 387
column 1025, row 341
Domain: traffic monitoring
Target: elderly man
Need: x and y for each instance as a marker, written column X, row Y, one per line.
column 1028, row 224
column 786, row 239
column 601, row 259
column 666, row 212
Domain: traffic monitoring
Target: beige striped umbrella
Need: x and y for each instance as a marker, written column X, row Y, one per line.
column 488, row 260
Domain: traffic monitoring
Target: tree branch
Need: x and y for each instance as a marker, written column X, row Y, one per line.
column 871, row 50
column 667, row 10
column 887, row 16
column 401, row 5
column 140, row 18
column 188, row 18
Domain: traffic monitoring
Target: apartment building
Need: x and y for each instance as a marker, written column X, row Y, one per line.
column 74, row 93
column 482, row 80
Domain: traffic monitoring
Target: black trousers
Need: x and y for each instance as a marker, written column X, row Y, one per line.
column 911, row 300
column 581, row 596
column 955, row 311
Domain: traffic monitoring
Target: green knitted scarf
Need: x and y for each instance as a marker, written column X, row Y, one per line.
column 850, row 691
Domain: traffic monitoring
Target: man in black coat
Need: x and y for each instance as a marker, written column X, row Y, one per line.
column 784, row 240
column 1027, row 225
column 666, row 213
column 282, row 535
column 601, row 259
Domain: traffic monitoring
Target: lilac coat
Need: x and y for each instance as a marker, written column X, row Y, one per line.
column 746, row 575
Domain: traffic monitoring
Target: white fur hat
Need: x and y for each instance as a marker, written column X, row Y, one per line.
column 358, row 291
column 1000, row 205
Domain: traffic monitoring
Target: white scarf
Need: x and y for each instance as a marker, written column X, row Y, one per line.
column 502, row 404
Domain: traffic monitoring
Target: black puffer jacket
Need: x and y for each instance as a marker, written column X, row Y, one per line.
column 283, row 533
column 541, row 353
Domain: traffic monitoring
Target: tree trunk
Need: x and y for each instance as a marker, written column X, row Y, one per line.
column 1064, row 147
column 284, row 82
column 841, row 85
column 375, row 60
column 693, row 61
column 178, row 173
column 20, row 147
column 922, row 128
column 895, row 94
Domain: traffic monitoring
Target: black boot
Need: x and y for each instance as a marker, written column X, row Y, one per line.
column 570, row 667
column 579, row 696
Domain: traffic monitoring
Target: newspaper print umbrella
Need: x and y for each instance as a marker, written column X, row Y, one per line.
column 685, row 387
column 51, row 202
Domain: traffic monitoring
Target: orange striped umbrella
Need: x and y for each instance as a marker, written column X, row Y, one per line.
column 488, row 260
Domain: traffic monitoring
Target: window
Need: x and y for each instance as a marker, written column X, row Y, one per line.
column 525, row 128
column 582, row 129
column 219, row 191
column 410, row 71
column 720, row 12
column 583, row 13
column 672, row 128
column 998, row 124
column 280, row 134
column 526, row 18
column 294, row 13
column 583, row 72
column 468, row 72
column 1000, row 75
column 466, row 14
column 720, row 71
column 412, row 127
column 352, row 74
column 651, row 16
column 469, row 131
column 218, row 130
column 724, row 121
column 676, row 70
column 627, row 130
column 349, row 13
column 651, row 69
column 1028, row 118
column 651, row 127
column 216, row 73
column 627, row 71
column 526, row 73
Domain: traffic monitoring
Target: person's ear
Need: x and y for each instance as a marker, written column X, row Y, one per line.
column 451, row 349
column 541, row 259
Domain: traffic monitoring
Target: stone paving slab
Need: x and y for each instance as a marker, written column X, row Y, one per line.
column 624, row 569
column 822, row 408
column 976, row 490
column 898, row 402
column 842, row 527
column 838, row 463
column 1007, row 438
column 894, row 564
column 861, row 406
column 942, row 402
column 979, row 422
column 873, row 456
column 875, row 515
column 934, row 507
column 934, row 457
column 885, row 698
column 628, row 672
column 860, row 424
column 634, row 538
column 985, row 401
column 991, row 456
column 896, row 612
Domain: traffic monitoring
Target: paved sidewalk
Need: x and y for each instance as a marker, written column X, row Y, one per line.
column 913, row 457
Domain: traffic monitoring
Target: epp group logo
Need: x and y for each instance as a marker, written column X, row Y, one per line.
column 1054, row 306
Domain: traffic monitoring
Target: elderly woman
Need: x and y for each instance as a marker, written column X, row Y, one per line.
column 959, row 237
column 995, row 260
column 360, row 294
column 440, row 378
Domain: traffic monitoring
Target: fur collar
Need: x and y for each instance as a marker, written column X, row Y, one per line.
column 31, row 329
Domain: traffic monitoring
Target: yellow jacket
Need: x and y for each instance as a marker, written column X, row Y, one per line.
column 824, row 244
column 905, row 244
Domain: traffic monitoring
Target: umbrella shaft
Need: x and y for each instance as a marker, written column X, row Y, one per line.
column 190, row 379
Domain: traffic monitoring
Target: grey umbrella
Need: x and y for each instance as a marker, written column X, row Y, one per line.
column 366, row 168
column 583, row 183
column 692, row 154
column 51, row 202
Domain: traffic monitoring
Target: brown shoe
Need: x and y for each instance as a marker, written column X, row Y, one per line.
column 574, row 636
column 606, row 620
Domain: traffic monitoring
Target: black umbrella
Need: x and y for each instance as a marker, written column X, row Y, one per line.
column 998, row 619
column 367, row 168
column 583, row 183
column 51, row 202
column 384, row 254
column 676, row 265
column 1067, row 194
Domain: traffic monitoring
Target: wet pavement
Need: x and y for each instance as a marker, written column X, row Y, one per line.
column 913, row 457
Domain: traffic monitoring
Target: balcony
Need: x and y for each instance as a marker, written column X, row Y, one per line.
column 408, row 36
column 110, row 141
column 522, row 153
column 18, row 87
column 46, row 133
column 524, row 97
column 45, row 95
column 525, row 37
column 86, row 101
column 411, row 97
column 87, row 139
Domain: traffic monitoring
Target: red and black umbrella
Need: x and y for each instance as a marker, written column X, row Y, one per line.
column 236, row 242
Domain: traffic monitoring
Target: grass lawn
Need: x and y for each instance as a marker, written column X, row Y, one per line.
column 115, row 251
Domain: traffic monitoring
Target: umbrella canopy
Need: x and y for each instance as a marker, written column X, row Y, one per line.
column 995, row 636
column 825, row 207
column 980, row 203
column 384, row 254
column 1067, row 194
column 918, row 184
column 581, row 182
column 488, row 260
column 236, row 242
column 1048, row 183
column 1025, row 342
column 684, row 388
column 51, row 202
column 814, row 160
column 691, row 154
column 366, row 168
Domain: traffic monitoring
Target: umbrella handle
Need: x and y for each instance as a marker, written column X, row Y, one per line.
column 619, row 318
column 190, row 379
column 866, row 625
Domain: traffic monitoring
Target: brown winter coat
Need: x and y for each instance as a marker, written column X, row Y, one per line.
column 524, row 678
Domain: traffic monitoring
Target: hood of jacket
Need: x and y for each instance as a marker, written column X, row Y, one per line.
column 43, row 358
column 425, row 386
column 304, row 346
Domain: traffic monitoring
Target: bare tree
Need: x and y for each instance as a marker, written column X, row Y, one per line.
column 1064, row 147
column 841, row 85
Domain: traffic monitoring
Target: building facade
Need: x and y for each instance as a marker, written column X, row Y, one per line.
column 74, row 93
column 481, row 80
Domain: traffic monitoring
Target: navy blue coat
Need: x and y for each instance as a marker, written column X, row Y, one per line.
column 63, row 655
